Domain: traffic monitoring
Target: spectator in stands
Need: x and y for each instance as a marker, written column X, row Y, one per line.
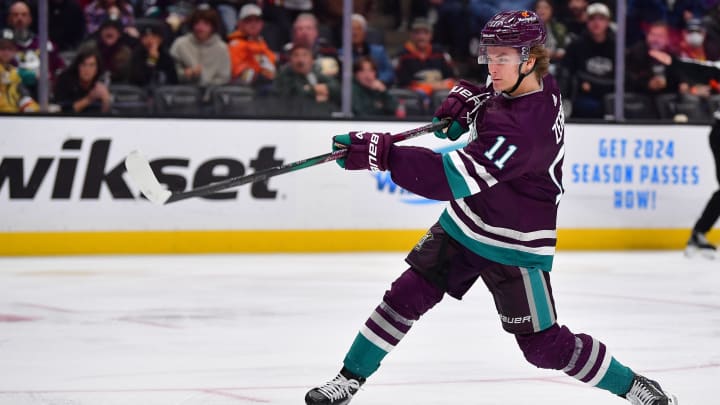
column 369, row 93
column 79, row 88
column 151, row 64
column 300, row 78
column 421, row 66
column 228, row 12
column 576, row 21
column 14, row 97
column 376, row 52
column 590, row 61
column 455, row 26
column 643, row 13
column 101, row 10
column 483, row 10
column 692, row 44
column 646, row 75
column 115, row 51
column 330, row 16
column 201, row 57
column 253, row 63
column 692, row 47
column 711, row 22
column 283, row 14
column 66, row 24
column 403, row 17
column 173, row 12
column 556, row 31
column 27, row 58
column 305, row 33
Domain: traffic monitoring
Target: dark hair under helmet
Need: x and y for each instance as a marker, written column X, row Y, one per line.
column 514, row 28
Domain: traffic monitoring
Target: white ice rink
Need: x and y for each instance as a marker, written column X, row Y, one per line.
column 245, row 329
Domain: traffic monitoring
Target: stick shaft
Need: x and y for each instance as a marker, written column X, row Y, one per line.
column 263, row 175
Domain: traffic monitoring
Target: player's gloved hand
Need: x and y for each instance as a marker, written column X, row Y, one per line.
column 366, row 150
column 461, row 105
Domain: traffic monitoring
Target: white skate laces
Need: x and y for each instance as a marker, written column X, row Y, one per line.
column 339, row 388
column 648, row 392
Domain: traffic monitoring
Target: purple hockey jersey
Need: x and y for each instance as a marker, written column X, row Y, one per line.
column 504, row 187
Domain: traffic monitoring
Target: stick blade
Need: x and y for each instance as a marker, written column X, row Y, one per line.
column 142, row 175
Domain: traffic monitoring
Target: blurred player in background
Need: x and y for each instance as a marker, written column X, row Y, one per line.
column 503, row 190
column 707, row 72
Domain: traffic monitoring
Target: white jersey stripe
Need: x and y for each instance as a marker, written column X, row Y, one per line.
column 551, row 171
column 480, row 169
column 505, row 232
column 543, row 250
column 470, row 181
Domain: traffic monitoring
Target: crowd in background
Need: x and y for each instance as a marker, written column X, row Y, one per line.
column 284, row 57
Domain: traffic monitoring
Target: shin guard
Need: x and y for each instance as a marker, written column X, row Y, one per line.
column 579, row 356
column 409, row 297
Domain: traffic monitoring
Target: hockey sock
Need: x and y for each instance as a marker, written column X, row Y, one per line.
column 380, row 334
column 592, row 364
column 409, row 297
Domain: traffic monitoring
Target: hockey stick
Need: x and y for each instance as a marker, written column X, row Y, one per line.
column 142, row 175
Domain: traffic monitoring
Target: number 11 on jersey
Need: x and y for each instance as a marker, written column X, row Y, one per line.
column 490, row 153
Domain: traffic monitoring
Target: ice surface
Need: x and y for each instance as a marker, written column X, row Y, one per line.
column 244, row 329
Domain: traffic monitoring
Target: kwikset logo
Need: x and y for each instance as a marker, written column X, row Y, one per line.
column 63, row 173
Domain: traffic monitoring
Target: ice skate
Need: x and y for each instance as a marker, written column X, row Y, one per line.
column 338, row 391
column 648, row 392
column 698, row 245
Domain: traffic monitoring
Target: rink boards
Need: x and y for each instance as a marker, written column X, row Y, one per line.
column 63, row 189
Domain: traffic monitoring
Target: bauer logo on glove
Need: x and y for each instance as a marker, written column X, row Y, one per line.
column 462, row 105
column 366, row 150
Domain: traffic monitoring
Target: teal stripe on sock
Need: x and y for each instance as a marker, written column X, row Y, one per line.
column 363, row 358
column 618, row 378
column 542, row 306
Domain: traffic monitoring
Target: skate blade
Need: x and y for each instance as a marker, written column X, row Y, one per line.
column 693, row 252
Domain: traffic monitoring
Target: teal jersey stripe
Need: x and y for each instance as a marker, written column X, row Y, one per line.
column 363, row 358
column 542, row 306
column 618, row 378
column 508, row 256
column 458, row 186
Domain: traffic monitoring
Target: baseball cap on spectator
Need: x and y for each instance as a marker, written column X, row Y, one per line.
column 694, row 25
column 421, row 24
column 111, row 22
column 295, row 47
column 598, row 9
column 7, row 39
column 152, row 28
column 249, row 10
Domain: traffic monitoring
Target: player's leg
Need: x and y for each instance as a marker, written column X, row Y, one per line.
column 409, row 297
column 697, row 242
column 526, row 306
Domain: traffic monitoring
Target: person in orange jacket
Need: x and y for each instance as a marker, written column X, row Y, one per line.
column 252, row 61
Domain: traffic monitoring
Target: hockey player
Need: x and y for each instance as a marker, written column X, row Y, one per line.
column 709, row 72
column 503, row 190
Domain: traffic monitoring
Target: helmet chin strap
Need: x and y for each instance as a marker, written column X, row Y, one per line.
column 521, row 76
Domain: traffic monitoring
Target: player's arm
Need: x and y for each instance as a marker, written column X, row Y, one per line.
column 471, row 170
column 483, row 163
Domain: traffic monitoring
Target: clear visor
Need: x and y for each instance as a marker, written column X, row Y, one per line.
column 501, row 55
